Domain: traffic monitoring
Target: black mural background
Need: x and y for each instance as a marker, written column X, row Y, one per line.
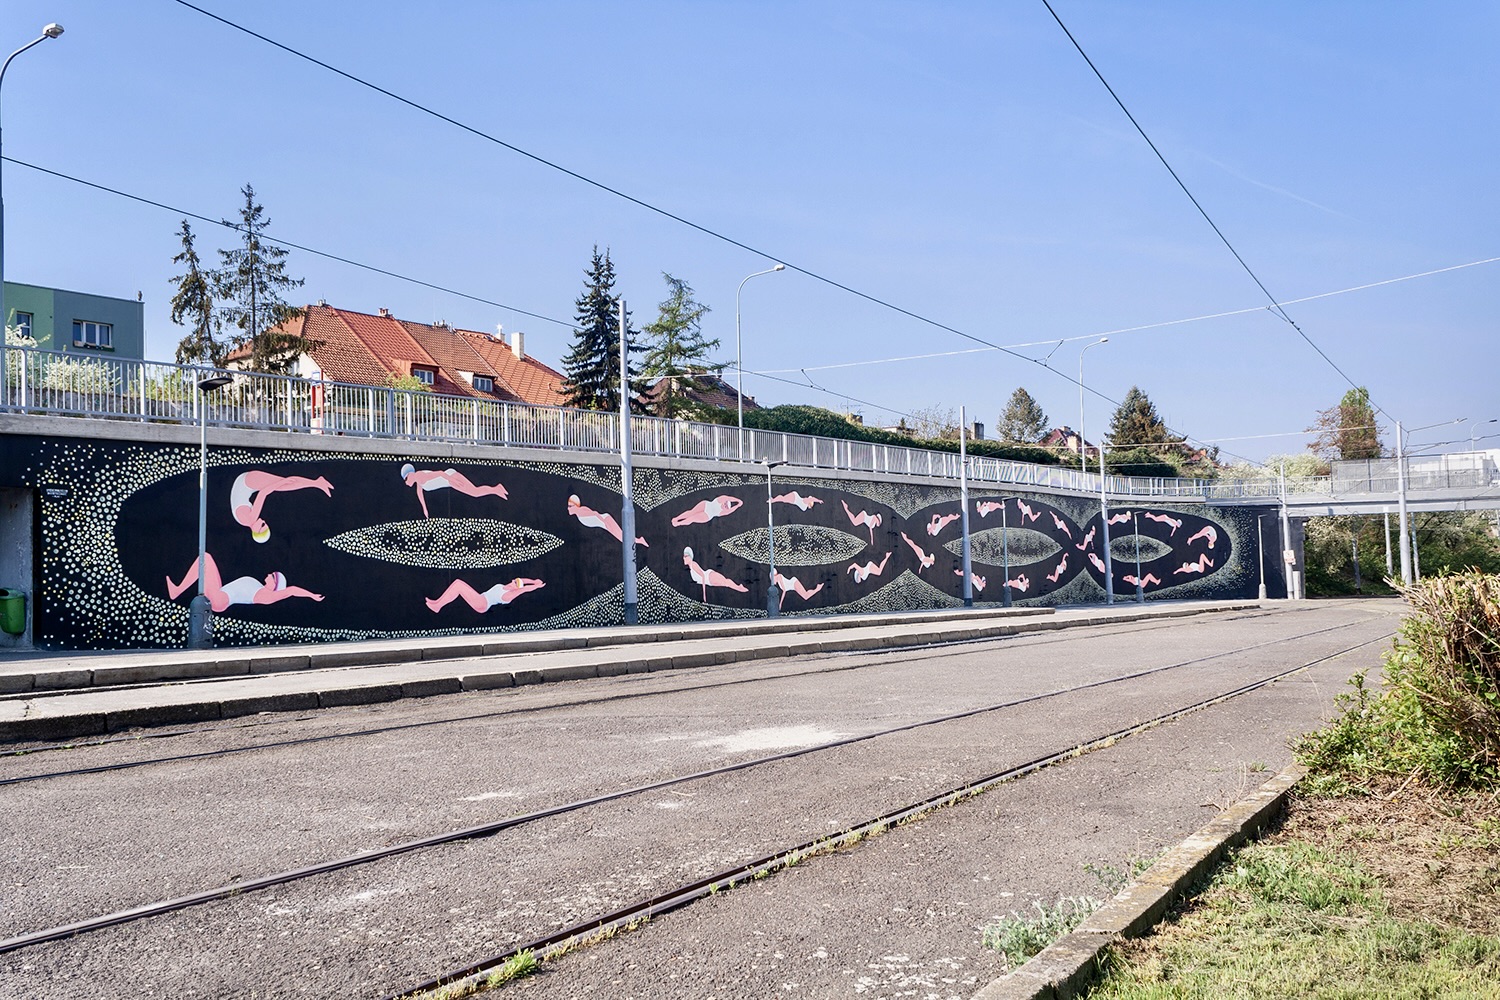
column 128, row 522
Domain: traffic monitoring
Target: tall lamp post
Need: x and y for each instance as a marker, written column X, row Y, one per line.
column 773, row 596
column 1404, row 520
column 1005, row 599
column 739, row 359
column 200, row 614
column 1474, row 431
column 632, row 612
column 50, row 31
column 1109, row 581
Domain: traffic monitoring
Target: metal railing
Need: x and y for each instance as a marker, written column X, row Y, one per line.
column 51, row 382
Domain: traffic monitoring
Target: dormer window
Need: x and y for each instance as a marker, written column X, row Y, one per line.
column 424, row 375
column 483, row 383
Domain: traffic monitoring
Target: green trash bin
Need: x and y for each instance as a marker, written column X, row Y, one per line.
column 13, row 611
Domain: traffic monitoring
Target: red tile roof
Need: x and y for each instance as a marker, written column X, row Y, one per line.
column 369, row 350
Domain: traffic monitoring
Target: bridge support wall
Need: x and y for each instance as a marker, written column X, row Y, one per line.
column 313, row 539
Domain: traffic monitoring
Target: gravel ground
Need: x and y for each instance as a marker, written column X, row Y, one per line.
column 867, row 922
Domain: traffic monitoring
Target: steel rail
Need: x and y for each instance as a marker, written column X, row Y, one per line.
column 243, row 886
column 584, row 932
column 1024, row 639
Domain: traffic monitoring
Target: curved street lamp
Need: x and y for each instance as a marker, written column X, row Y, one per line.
column 50, row 31
column 1109, row 582
column 739, row 360
column 200, row 613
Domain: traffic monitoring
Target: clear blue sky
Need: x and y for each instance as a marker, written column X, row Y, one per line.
column 957, row 159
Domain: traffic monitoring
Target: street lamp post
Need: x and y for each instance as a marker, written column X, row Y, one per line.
column 627, row 482
column 1109, row 582
column 200, row 614
column 1473, row 439
column 1404, row 523
column 50, row 31
column 739, row 359
column 963, row 508
column 773, row 596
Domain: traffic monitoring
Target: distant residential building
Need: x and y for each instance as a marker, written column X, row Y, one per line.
column 712, row 390
column 364, row 349
column 1067, row 439
column 77, row 322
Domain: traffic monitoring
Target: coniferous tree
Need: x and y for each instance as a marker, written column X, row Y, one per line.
column 593, row 365
column 678, row 350
column 253, row 279
column 193, row 306
column 1137, row 423
column 1022, row 421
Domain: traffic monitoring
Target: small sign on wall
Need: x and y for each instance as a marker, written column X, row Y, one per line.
column 56, row 492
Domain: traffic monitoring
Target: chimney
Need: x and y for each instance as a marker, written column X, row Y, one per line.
column 500, row 332
column 385, row 313
column 518, row 345
column 977, row 433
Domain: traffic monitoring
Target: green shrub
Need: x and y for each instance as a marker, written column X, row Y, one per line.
column 1438, row 716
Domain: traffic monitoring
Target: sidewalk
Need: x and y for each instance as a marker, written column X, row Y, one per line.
column 49, row 697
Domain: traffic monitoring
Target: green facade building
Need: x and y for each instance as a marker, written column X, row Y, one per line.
column 77, row 322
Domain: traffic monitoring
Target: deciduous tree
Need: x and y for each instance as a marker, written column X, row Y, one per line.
column 1347, row 431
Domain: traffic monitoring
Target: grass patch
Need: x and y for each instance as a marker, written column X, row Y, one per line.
column 1293, row 918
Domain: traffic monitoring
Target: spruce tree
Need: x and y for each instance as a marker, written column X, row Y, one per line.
column 1137, row 423
column 593, row 364
column 1022, row 421
column 678, row 350
column 254, row 280
column 193, row 306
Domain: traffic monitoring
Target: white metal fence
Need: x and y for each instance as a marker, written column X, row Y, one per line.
column 50, row 382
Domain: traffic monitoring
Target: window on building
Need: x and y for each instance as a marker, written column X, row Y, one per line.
column 87, row 333
column 484, row 383
column 23, row 324
column 424, row 375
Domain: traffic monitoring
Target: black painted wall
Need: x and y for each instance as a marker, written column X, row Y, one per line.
column 341, row 548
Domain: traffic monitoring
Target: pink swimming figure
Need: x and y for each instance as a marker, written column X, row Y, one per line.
column 427, row 480
column 979, row 581
column 1120, row 518
column 1062, row 526
column 591, row 518
column 706, row 510
column 797, row 500
column 1022, row 583
column 786, row 583
column 1062, row 567
column 1087, row 540
column 1145, row 581
column 500, row 593
column 1027, row 514
column 248, row 495
column 1164, row 519
column 937, row 523
column 1203, row 565
column 1098, row 563
column 869, row 569
column 706, row 578
column 242, row 590
column 922, row 557
column 1209, row 532
column 863, row 519
column 988, row 507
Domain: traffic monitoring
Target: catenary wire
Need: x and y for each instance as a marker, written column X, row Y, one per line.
column 1276, row 306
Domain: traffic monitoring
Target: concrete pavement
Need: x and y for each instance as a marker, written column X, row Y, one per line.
column 49, row 697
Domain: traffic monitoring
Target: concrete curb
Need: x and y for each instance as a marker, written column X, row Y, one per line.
column 98, row 711
column 1070, row 965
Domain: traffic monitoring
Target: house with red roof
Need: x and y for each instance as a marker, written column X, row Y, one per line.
column 362, row 349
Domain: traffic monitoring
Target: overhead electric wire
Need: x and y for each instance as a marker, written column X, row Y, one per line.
column 1276, row 305
column 286, row 243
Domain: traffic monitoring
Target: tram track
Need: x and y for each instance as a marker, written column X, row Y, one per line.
column 595, row 929
column 487, row 829
column 880, row 658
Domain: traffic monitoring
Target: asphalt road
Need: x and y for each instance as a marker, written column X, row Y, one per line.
column 901, row 915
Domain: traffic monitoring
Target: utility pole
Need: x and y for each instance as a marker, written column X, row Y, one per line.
column 627, row 490
column 963, row 499
column 1403, row 524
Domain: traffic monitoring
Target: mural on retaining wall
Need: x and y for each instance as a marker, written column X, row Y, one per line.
column 307, row 546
